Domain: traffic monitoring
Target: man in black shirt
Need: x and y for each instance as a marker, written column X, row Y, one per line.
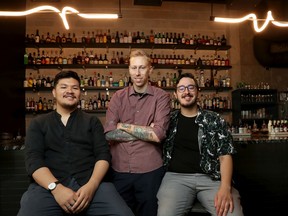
column 67, row 157
column 198, row 156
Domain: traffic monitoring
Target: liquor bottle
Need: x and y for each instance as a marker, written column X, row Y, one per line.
column 45, row 105
column 102, row 101
column 88, row 38
column 106, row 103
column 121, row 82
column 91, row 57
column 60, row 58
column 43, row 58
column 86, row 59
column 108, row 36
column 53, row 39
column 117, row 39
column 105, row 60
column 79, row 58
column 94, row 79
column 26, row 57
column 121, row 38
column 129, row 37
column 174, row 80
column 27, row 39
column 125, row 37
column 100, row 60
column 31, row 59
column 64, row 39
column 48, row 39
column 223, row 40
column 104, row 37
column 83, row 39
column 90, row 104
column 69, row 38
column 90, row 82
column 121, row 60
column 211, row 78
column 142, row 38
column 37, row 37
column 43, row 81
column 113, row 59
column 227, row 79
column 95, row 103
column 32, row 104
column 47, row 58
column 99, row 101
column 201, row 79
column 58, row 38
column 98, row 84
column 81, row 81
column 93, row 40
column 74, row 38
column 40, row 104
column 103, row 81
column 110, row 79
column 86, row 80
column 167, row 78
column 101, row 37
column 42, row 39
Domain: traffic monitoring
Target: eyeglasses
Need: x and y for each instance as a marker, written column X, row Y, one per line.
column 140, row 68
column 182, row 88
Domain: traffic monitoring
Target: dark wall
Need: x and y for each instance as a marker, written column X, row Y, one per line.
column 12, row 71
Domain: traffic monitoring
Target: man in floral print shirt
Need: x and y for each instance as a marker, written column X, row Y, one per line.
column 197, row 154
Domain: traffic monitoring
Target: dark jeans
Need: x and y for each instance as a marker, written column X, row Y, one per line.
column 139, row 190
column 37, row 201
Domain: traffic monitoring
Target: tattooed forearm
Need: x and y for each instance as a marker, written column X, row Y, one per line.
column 119, row 135
column 144, row 133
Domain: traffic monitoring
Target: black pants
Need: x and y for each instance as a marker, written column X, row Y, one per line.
column 37, row 201
column 139, row 190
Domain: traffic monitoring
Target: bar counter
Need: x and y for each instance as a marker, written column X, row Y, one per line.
column 260, row 174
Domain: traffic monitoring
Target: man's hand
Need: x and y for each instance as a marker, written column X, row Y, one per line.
column 223, row 201
column 85, row 194
column 65, row 197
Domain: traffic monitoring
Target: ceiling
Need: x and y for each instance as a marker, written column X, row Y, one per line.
column 202, row 1
column 237, row 4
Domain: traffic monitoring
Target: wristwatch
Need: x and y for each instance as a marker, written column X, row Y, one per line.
column 52, row 186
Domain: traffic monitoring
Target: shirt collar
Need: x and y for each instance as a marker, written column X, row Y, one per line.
column 149, row 91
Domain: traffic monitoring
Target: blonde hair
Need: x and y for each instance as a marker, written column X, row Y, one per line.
column 140, row 53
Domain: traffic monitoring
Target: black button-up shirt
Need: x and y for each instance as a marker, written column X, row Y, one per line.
column 68, row 151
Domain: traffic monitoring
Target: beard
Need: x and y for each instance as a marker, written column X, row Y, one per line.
column 70, row 107
column 188, row 104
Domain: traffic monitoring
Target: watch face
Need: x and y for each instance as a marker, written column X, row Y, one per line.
column 52, row 186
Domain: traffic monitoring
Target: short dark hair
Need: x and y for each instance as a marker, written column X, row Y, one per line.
column 188, row 75
column 66, row 74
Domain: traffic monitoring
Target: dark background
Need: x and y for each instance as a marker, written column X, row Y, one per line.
column 12, row 72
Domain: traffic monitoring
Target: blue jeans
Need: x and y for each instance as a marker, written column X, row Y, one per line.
column 178, row 192
column 37, row 201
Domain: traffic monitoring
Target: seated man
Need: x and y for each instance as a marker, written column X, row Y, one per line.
column 197, row 154
column 67, row 157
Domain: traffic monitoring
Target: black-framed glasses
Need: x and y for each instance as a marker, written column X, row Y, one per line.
column 182, row 88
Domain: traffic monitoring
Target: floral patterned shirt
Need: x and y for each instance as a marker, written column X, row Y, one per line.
column 214, row 140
